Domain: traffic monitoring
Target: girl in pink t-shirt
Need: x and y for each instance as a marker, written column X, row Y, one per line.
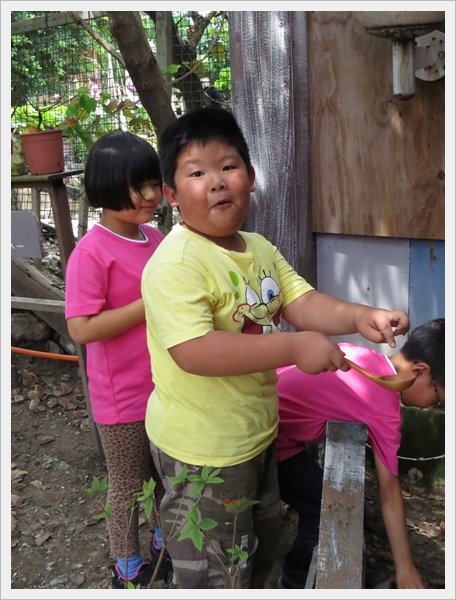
column 105, row 311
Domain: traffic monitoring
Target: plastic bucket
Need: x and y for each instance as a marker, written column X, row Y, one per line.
column 44, row 151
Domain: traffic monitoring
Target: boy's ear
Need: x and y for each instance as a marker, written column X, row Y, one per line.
column 421, row 368
column 252, row 178
column 171, row 195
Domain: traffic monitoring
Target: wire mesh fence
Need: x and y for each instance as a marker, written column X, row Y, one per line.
column 62, row 68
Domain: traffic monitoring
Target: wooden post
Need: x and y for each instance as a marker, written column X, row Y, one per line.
column 340, row 546
column 164, row 40
column 269, row 70
column 83, row 216
column 36, row 287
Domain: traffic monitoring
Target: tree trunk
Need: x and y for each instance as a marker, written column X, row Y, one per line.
column 142, row 66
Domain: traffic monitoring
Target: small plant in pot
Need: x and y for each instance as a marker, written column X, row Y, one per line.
column 81, row 119
column 42, row 144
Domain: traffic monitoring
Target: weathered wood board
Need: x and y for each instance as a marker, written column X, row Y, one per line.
column 377, row 163
column 340, row 545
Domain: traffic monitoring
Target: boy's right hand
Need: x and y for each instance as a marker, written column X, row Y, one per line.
column 315, row 353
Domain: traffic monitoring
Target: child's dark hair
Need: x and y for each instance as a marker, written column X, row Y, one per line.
column 426, row 343
column 199, row 126
column 117, row 163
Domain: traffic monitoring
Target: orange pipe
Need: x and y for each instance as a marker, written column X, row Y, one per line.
column 39, row 354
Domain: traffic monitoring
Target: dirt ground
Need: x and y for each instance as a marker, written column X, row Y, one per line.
column 57, row 544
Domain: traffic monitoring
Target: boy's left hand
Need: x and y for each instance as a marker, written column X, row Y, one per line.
column 379, row 325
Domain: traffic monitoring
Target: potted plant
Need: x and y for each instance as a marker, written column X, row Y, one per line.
column 42, row 143
column 82, row 119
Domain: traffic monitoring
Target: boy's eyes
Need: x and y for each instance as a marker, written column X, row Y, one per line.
column 201, row 173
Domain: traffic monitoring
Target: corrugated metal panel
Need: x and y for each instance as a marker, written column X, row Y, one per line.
column 427, row 281
column 368, row 270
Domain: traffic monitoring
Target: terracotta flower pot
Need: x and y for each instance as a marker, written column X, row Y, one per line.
column 44, row 151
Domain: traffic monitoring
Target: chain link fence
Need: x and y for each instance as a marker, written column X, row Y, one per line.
column 63, row 59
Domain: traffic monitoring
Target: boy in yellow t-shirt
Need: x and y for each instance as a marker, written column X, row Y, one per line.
column 209, row 291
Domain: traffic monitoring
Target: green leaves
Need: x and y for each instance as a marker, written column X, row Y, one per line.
column 172, row 69
column 195, row 526
column 97, row 485
column 206, row 478
column 179, row 478
column 104, row 514
column 236, row 554
column 147, row 496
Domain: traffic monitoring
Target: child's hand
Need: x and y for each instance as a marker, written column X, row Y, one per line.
column 408, row 578
column 315, row 353
column 379, row 325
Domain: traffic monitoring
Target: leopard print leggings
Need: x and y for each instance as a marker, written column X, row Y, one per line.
column 129, row 463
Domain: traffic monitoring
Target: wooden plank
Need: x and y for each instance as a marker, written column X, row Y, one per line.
column 52, row 20
column 340, row 545
column 23, row 180
column 164, row 41
column 62, row 219
column 34, row 304
column 377, row 163
column 28, row 282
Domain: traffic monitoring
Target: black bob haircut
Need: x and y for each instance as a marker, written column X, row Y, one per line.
column 199, row 126
column 118, row 162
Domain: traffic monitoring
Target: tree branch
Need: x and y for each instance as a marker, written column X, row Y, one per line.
column 97, row 37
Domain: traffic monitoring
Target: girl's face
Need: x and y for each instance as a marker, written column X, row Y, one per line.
column 145, row 201
column 125, row 222
column 212, row 189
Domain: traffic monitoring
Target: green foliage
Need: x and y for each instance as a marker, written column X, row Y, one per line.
column 236, row 554
column 214, row 52
column 40, row 59
column 172, row 69
column 195, row 526
column 223, row 83
column 175, row 480
column 98, row 485
column 104, row 514
column 206, row 478
column 46, row 117
column 147, row 497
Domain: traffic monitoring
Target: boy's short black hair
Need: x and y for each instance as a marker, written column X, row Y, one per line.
column 426, row 343
column 199, row 126
column 118, row 162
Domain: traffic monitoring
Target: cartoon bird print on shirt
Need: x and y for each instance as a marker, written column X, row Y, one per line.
column 260, row 313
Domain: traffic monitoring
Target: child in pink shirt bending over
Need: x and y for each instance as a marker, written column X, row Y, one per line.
column 104, row 310
column 307, row 402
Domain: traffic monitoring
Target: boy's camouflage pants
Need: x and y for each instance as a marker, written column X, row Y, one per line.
column 255, row 529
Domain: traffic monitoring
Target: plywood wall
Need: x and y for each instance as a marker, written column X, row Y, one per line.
column 377, row 164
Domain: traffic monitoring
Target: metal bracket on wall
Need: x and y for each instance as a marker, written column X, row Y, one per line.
column 430, row 56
